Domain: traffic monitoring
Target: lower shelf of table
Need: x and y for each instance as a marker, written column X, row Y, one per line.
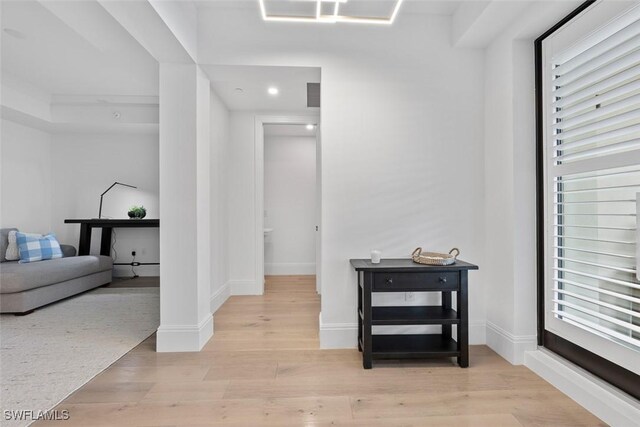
column 420, row 346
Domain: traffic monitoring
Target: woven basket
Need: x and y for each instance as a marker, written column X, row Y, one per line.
column 434, row 258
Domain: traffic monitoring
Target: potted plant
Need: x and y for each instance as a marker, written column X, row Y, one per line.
column 138, row 212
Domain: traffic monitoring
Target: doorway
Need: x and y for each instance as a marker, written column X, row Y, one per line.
column 287, row 197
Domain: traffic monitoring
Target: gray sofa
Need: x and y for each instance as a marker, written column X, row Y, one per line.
column 25, row 287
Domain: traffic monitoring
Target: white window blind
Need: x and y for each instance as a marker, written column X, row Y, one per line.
column 592, row 189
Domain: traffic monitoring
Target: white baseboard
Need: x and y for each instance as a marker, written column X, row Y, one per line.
column 338, row 335
column 606, row 402
column 219, row 297
column 290, row 269
column 179, row 338
column 477, row 333
column 511, row 347
column 243, row 287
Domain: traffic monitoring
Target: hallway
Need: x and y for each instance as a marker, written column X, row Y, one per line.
column 263, row 368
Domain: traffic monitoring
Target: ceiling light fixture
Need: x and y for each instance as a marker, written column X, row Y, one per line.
column 333, row 18
column 273, row 90
column 311, row 127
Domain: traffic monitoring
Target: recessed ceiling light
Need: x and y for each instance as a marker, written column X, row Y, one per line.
column 310, row 127
column 332, row 18
column 15, row 33
column 273, row 90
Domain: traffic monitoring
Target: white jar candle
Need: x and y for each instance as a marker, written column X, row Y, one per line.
column 375, row 257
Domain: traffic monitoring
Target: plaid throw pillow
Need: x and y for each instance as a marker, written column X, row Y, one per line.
column 34, row 247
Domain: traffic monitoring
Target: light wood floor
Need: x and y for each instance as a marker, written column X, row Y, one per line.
column 263, row 368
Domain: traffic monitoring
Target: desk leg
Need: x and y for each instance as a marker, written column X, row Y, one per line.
column 367, row 349
column 84, row 246
column 105, row 241
column 360, row 291
column 446, row 304
column 463, row 327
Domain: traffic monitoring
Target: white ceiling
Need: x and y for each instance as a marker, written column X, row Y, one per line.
column 254, row 82
column 357, row 7
column 290, row 130
column 73, row 48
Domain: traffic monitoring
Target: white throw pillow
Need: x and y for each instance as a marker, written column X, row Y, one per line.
column 13, row 254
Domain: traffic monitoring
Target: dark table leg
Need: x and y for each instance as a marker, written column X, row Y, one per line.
column 463, row 327
column 105, row 241
column 360, row 291
column 446, row 304
column 84, row 246
column 367, row 350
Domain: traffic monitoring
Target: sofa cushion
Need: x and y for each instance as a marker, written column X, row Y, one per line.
column 68, row 250
column 4, row 242
column 16, row 277
column 34, row 247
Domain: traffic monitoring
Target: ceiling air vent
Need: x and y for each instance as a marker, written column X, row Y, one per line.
column 313, row 95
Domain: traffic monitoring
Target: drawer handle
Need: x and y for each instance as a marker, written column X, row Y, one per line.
column 443, row 279
column 389, row 281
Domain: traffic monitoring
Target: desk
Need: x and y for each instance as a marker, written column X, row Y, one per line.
column 403, row 275
column 107, row 225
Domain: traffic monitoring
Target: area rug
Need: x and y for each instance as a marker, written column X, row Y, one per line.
column 48, row 354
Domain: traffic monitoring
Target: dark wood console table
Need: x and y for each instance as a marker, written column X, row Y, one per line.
column 403, row 275
column 107, row 225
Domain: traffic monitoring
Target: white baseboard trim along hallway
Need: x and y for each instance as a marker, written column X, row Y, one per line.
column 290, row 269
column 175, row 338
column 611, row 405
column 219, row 297
column 338, row 335
column 477, row 333
column 511, row 347
column 242, row 287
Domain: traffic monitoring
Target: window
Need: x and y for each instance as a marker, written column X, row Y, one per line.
column 588, row 88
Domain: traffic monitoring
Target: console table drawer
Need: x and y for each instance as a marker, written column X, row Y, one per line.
column 406, row 282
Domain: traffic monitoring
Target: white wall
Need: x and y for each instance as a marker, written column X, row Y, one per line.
column 290, row 204
column 510, row 155
column 241, row 201
column 25, row 156
column 83, row 166
column 499, row 193
column 186, row 323
column 402, row 147
column 203, row 195
column 219, row 127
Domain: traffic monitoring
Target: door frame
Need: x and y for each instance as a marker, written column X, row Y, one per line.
column 260, row 121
